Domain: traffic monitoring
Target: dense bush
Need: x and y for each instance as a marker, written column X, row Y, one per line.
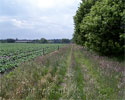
column 102, row 29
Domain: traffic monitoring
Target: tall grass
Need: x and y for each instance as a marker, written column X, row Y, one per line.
column 36, row 80
column 103, row 76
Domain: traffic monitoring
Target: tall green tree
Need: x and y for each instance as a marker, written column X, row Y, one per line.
column 43, row 40
column 102, row 29
column 84, row 9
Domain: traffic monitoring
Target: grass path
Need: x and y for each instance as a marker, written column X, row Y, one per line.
column 74, row 82
column 100, row 83
column 86, row 79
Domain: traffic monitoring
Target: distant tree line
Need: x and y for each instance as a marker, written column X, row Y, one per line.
column 7, row 41
column 42, row 40
column 99, row 26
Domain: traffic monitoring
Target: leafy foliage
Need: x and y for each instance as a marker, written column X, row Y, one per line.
column 84, row 9
column 102, row 28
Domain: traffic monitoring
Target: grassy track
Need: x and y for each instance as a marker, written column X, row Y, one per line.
column 101, row 81
column 72, row 73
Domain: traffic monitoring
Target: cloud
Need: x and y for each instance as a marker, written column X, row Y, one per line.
column 46, row 4
column 37, row 18
column 21, row 24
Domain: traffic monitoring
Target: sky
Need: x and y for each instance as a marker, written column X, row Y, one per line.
column 35, row 19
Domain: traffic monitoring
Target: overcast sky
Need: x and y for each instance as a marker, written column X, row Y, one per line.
column 34, row 19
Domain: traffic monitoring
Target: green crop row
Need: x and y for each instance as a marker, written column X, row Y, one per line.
column 13, row 54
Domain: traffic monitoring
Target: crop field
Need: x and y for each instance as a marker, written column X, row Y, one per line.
column 12, row 54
